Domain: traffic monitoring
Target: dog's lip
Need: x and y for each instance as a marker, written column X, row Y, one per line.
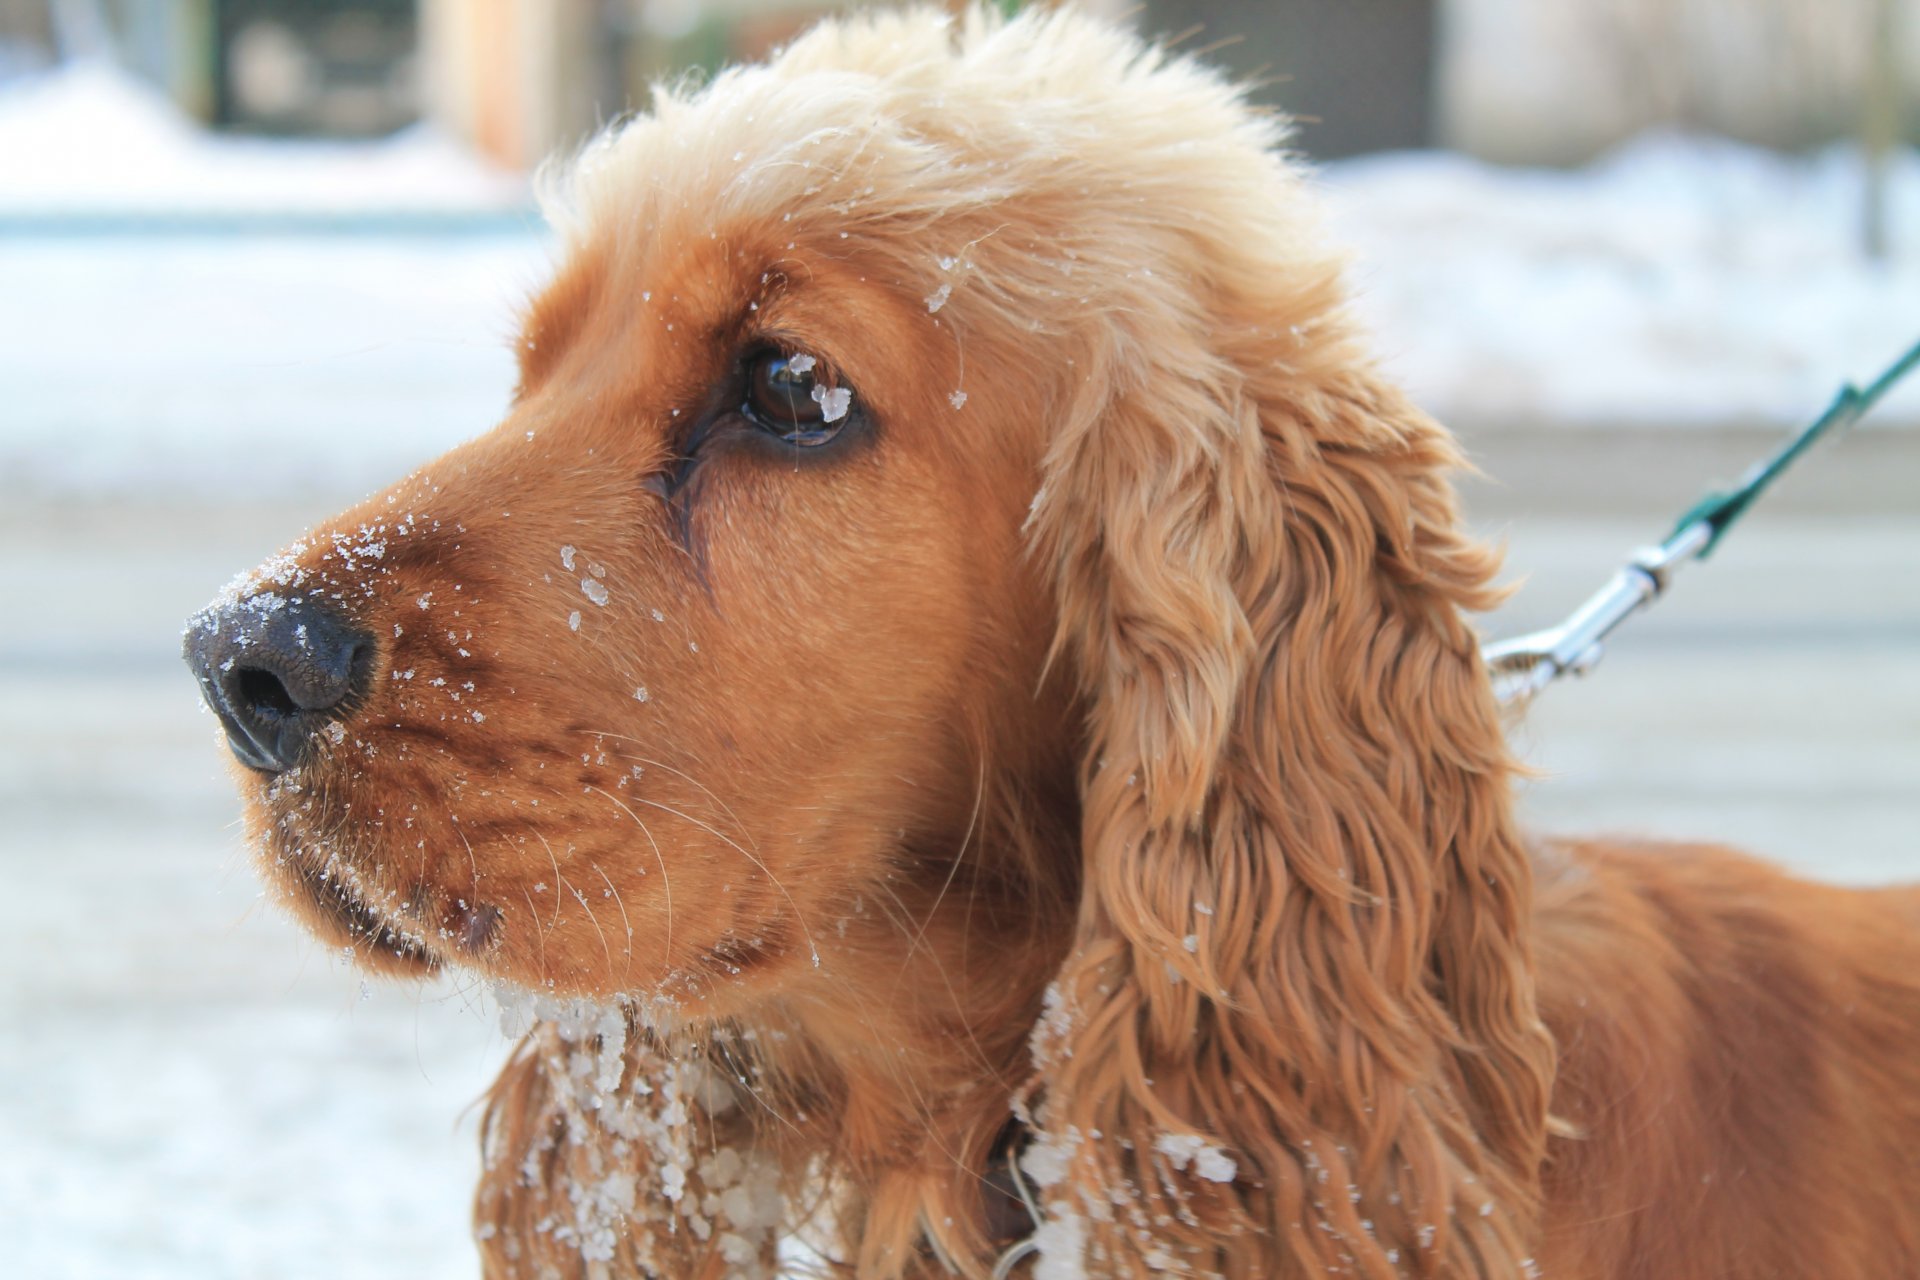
column 249, row 755
column 363, row 923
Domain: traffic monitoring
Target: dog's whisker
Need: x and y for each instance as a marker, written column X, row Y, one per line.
column 628, row 924
column 953, row 868
column 666, row 884
column 558, row 880
column 606, row 950
column 539, row 934
column 711, row 794
column 742, row 850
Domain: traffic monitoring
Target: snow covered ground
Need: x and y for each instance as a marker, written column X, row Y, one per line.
column 189, row 1088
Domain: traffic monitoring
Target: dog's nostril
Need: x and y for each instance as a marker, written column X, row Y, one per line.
column 261, row 693
column 276, row 670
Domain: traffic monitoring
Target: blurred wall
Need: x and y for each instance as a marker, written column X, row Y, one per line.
column 1532, row 81
column 338, row 68
column 513, row 77
column 1356, row 75
column 26, row 37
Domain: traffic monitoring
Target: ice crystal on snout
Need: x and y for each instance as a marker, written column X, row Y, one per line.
column 594, row 590
column 938, row 298
column 566, row 557
column 833, row 402
column 957, row 399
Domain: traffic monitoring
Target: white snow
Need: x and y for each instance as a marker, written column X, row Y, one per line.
column 1060, row 1247
column 194, row 1088
column 87, row 138
column 265, row 365
column 210, row 362
column 1207, row 1160
column 833, row 401
column 1679, row 282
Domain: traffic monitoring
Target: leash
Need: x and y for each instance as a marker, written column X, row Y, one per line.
column 1525, row 665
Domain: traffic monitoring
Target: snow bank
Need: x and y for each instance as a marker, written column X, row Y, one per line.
column 87, row 141
column 1679, row 282
column 251, row 367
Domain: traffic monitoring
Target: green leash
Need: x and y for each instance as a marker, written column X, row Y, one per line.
column 1720, row 510
column 1525, row 665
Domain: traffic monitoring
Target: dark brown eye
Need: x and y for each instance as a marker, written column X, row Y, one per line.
column 785, row 398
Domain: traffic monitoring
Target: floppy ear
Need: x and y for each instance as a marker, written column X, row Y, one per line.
column 1300, row 1004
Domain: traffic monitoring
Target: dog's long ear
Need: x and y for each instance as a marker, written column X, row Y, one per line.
column 1300, row 1005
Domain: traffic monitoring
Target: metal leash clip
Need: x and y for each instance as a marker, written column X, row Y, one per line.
column 1523, row 666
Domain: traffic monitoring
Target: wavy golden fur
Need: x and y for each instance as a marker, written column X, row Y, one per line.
column 1090, row 732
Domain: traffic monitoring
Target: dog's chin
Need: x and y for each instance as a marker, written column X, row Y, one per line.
column 340, row 917
column 330, row 885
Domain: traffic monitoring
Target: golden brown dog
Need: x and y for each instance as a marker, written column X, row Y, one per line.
column 950, row 690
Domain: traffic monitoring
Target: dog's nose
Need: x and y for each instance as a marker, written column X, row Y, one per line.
column 275, row 669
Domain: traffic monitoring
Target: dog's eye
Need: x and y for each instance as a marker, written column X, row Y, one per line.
column 785, row 398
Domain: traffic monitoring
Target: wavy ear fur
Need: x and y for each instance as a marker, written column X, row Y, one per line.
column 1300, row 1005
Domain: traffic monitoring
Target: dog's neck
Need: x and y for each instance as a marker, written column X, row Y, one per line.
column 916, row 1021
column 870, row 1090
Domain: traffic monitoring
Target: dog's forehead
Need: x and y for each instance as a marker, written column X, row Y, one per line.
column 636, row 282
column 772, row 163
column 653, row 303
column 665, row 313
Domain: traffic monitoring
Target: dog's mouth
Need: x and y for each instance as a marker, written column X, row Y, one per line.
column 373, row 937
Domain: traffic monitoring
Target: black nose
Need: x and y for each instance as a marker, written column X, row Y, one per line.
column 275, row 669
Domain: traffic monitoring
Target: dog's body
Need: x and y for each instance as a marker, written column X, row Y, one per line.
column 1735, row 1068
column 954, row 629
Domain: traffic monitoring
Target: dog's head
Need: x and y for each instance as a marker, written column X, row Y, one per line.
column 919, row 430
column 651, row 681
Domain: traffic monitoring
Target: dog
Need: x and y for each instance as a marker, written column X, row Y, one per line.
column 948, row 710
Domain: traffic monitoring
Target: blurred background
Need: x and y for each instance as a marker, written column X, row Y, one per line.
column 259, row 257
